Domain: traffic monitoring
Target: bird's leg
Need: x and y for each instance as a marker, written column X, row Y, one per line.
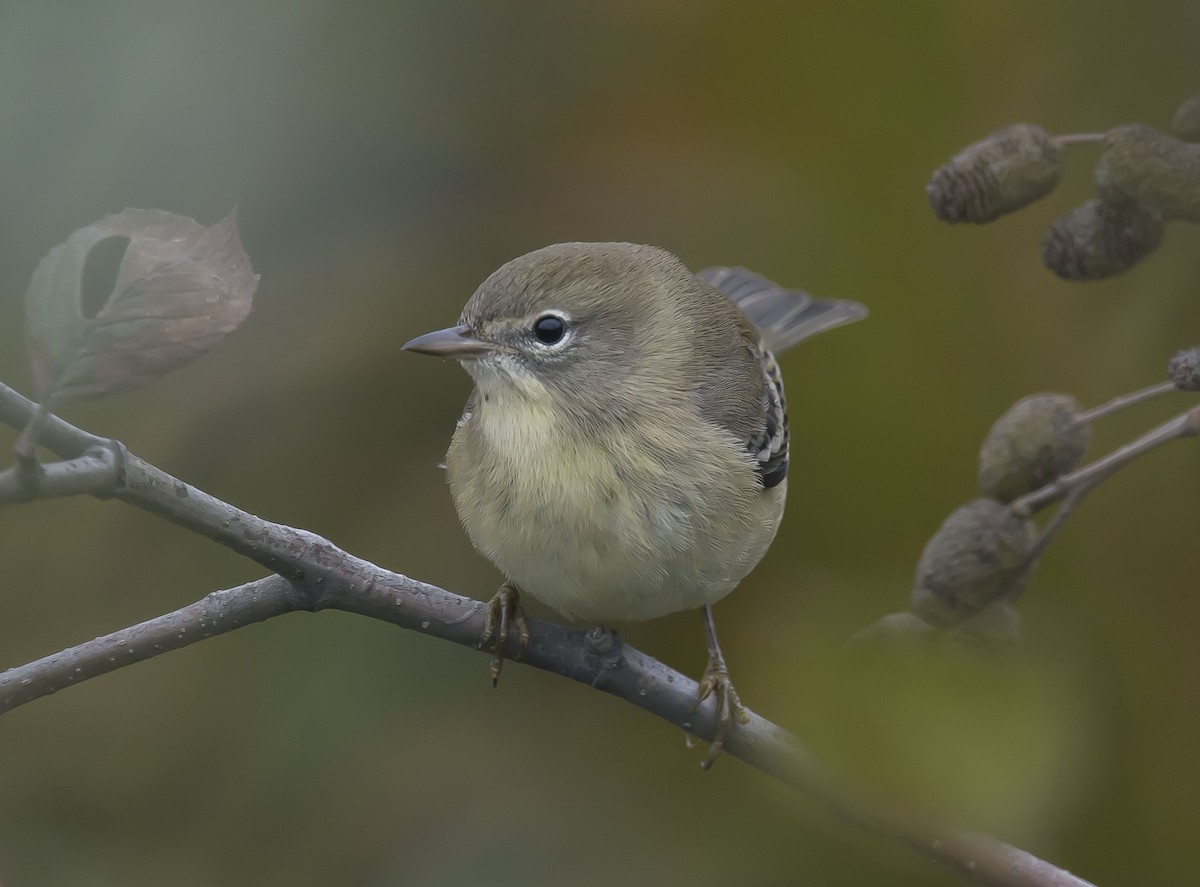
column 716, row 680
column 502, row 610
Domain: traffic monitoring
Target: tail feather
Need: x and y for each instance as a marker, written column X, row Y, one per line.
column 784, row 317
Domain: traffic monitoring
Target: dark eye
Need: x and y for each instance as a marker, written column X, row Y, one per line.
column 549, row 329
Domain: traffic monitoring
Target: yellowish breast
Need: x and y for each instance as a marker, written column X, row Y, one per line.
column 603, row 527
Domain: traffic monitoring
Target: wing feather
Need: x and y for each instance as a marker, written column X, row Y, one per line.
column 784, row 317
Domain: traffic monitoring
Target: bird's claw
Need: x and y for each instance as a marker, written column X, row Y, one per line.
column 716, row 683
column 504, row 611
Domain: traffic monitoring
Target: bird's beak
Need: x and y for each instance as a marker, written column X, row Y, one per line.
column 456, row 342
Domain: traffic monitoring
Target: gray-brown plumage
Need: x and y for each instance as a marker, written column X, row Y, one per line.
column 624, row 453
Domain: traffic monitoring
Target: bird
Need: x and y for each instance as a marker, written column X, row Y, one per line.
column 624, row 452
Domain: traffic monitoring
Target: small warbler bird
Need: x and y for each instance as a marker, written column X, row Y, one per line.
column 624, row 453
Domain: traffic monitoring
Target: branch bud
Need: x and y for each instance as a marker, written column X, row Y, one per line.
column 1009, row 169
column 1098, row 240
column 1184, row 370
column 1033, row 443
column 978, row 555
column 1143, row 165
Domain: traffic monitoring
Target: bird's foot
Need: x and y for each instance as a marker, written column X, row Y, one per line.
column 504, row 612
column 716, row 683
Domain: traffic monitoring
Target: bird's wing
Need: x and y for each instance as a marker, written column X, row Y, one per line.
column 783, row 316
column 770, row 446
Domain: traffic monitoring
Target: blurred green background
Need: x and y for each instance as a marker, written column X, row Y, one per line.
column 385, row 157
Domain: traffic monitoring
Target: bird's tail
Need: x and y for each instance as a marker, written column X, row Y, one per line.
column 784, row 317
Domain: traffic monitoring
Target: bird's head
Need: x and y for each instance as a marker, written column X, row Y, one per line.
column 571, row 321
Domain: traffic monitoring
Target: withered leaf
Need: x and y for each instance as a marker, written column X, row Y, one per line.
column 181, row 289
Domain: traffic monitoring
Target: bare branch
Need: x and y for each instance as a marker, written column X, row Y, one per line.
column 1125, row 401
column 598, row 658
column 1071, row 489
column 93, row 473
column 55, row 434
column 314, row 574
column 217, row 613
column 25, row 448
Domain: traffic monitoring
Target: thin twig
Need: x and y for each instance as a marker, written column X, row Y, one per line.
column 25, row 449
column 1125, row 401
column 215, row 614
column 61, row 437
column 1073, row 488
column 1085, row 479
column 96, row 471
column 1070, row 503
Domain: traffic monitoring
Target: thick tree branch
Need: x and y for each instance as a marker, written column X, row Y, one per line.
column 314, row 574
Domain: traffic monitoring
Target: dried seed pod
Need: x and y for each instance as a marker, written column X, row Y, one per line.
column 1186, row 122
column 1159, row 172
column 1098, row 240
column 1009, row 169
column 1184, row 370
column 1032, row 444
column 977, row 556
